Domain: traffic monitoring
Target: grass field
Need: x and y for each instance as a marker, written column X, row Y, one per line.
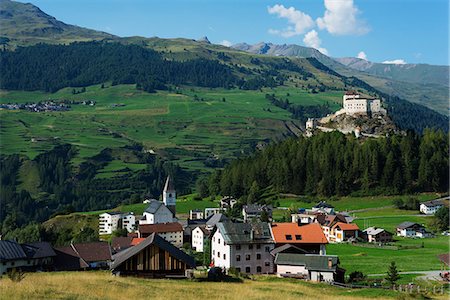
column 220, row 123
column 101, row 285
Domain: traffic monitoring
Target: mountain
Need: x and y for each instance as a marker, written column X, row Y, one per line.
column 418, row 83
column 23, row 24
column 416, row 73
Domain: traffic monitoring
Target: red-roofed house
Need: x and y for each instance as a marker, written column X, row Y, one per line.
column 343, row 231
column 309, row 237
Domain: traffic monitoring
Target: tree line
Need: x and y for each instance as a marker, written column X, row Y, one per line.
column 330, row 164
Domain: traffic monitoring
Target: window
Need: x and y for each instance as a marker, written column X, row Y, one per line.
column 250, row 247
column 258, row 256
column 214, row 252
column 247, row 257
column 267, row 249
column 258, row 269
column 298, row 237
column 218, row 254
column 288, row 237
column 258, row 246
column 247, row 269
column 267, row 263
column 224, row 256
column 218, row 241
column 238, row 258
column 238, row 247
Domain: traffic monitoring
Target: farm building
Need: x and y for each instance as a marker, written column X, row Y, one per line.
column 153, row 257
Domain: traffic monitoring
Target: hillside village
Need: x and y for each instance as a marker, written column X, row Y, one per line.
column 155, row 243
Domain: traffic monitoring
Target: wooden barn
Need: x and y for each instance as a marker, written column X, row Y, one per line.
column 153, row 257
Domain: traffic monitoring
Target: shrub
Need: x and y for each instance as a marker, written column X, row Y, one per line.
column 356, row 276
column 16, row 275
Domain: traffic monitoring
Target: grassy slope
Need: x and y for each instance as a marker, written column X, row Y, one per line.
column 101, row 285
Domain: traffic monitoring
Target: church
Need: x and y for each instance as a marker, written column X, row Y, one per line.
column 159, row 212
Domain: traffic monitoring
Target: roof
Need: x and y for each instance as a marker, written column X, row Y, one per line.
column 153, row 206
column 407, row 224
column 11, row 250
column 136, row 241
column 373, row 230
column 67, row 259
column 445, row 258
column 323, row 204
column 112, row 213
column 153, row 239
column 203, row 229
column 436, row 202
column 257, row 208
column 240, row 233
column 121, row 242
column 92, row 252
column 345, row 226
column 351, row 92
column 288, row 248
column 313, row 262
column 292, row 233
column 216, row 218
column 169, row 186
column 42, row 249
column 160, row 227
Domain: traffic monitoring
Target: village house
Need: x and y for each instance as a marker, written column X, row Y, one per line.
column 243, row 246
column 411, row 229
column 171, row 232
column 214, row 220
column 156, row 212
column 25, row 257
column 209, row 211
column 196, row 214
column 152, row 257
column 328, row 221
column 199, row 237
column 83, row 256
column 431, row 207
column 309, row 266
column 309, row 237
column 341, row 232
column 304, row 217
column 323, row 207
column 111, row 221
column 255, row 211
column 376, row 235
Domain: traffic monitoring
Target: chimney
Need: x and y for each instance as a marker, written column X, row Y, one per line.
column 330, row 263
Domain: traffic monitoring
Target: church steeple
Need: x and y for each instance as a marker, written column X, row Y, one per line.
column 169, row 195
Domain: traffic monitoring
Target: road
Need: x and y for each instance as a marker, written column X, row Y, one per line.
column 427, row 275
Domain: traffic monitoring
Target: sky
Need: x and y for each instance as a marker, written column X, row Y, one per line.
column 396, row 31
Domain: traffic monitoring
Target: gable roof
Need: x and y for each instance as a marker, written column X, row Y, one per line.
column 121, row 243
column 407, row 224
column 67, row 259
column 436, row 202
column 169, row 186
column 160, row 227
column 42, row 249
column 323, row 204
column 287, row 247
column 313, row 262
column 203, row 229
column 373, row 230
column 241, row 233
column 92, row 252
column 345, row 226
column 216, row 218
column 11, row 250
column 153, row 206
column 257, row 208
column 154, row 239
column 304, row 234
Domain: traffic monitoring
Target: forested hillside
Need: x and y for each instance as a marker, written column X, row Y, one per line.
column 334, row 164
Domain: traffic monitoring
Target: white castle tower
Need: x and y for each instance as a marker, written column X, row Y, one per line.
column 169, row 195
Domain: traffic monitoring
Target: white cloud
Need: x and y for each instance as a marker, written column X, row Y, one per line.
column 342, row 18
column 362, row 55
column 395, row 62
column 312, row 39
column 299, row 21
column 226, row 43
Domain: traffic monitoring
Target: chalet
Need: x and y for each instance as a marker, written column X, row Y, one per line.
column 153, row 257
column 255, row 211
column 199, row 237
column 83, row 256
column 309, row 266
column 377, row 235
column 309, row 237
column 156, row 213
column 243, row 246
column 410, row 229
column 196, row 214
column 26, row 257
column 341, row 232
column 324, row 207
column 327, row 222
column 431, row 207
column 171, row 232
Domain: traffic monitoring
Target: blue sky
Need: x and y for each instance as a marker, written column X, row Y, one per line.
column 412, row 31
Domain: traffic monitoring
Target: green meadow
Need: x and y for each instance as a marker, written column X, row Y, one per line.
column 187, row 126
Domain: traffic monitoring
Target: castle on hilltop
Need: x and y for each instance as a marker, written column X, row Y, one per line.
column 354, row 103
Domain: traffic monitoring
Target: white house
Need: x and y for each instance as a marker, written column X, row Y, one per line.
column 195, row 214
column 411, row 229
column 129, row 222
column 243, row 246
column 377, row 235
column 343, row 231
column 198, row 238
column 212, row 211
column 156, row 213
column 109, row 222
column 255, row 211
column 431, row 207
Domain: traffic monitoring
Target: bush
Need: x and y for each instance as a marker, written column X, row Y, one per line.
column 356, row 276
column 16, row 275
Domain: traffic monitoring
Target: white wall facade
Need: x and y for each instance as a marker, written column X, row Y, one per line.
column 197, row 239
column 162, row 215
column 108, row 223
column 220, row 251
column 129, row 222
column 429, row 210
column 176, row 237
column 321, row 276
column 211, row 211
column 289, row 269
